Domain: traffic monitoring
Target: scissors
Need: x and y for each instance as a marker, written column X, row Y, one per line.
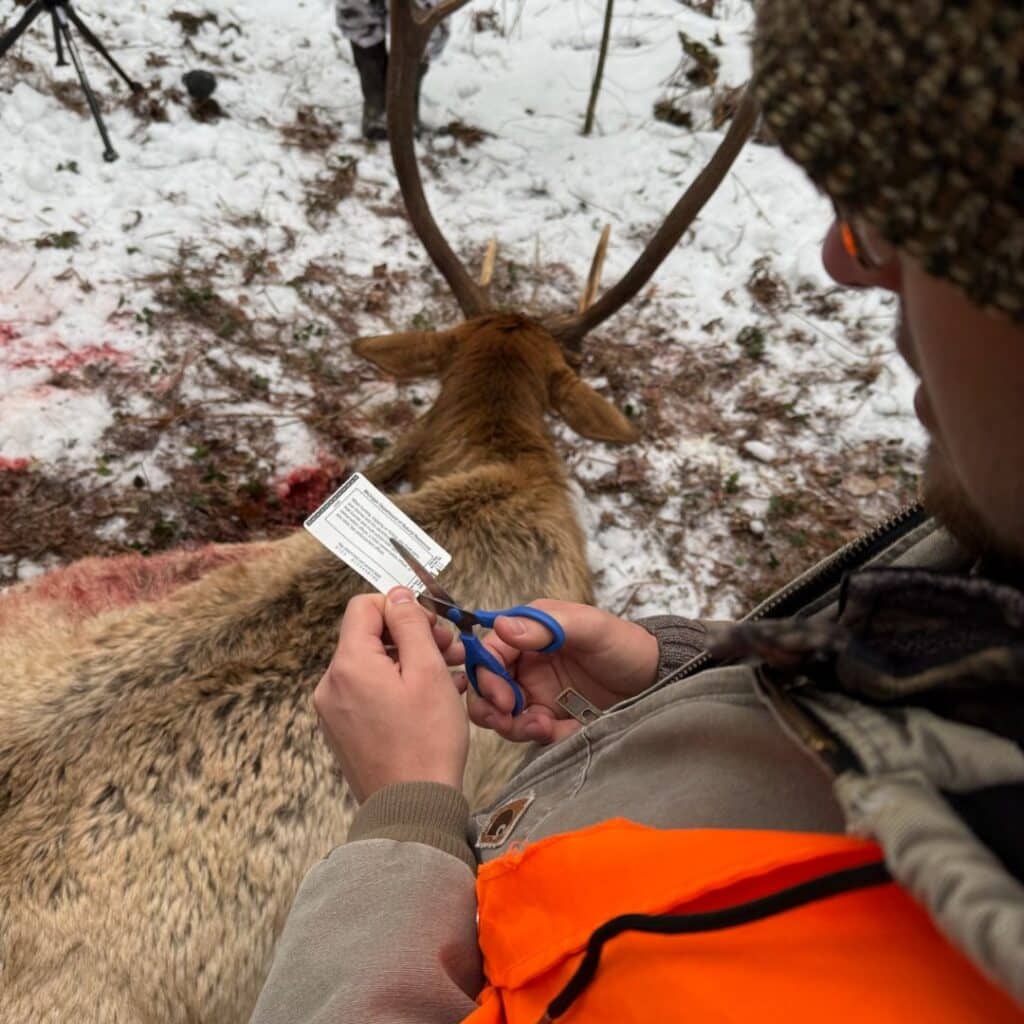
column 438, row 600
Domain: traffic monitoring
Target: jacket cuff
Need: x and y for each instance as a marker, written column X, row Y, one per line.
column 417, row 812
column 679, row 640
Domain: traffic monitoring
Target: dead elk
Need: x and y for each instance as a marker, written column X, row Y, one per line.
column 163, row 786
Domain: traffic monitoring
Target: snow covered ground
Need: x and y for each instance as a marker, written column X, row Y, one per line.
column 174, row 326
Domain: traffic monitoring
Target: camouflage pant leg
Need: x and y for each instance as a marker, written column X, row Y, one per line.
column 364, row 22
column 439, row 37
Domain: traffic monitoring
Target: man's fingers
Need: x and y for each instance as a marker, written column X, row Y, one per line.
column 539, row 725
column 411, row 630
column 449, row 645
column 504, row 652
column 536, row 724
column 495, row 690
column 485, row 714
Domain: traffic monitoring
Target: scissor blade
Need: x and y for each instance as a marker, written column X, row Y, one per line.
column 435, row 592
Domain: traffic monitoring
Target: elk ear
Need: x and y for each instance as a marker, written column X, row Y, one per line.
column 586, row 411
column 409, row 354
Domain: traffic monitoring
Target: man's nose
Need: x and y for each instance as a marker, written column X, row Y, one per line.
column 845, row 269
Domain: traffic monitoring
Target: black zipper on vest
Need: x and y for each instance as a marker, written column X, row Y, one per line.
column 823, row 887
column 795, row 595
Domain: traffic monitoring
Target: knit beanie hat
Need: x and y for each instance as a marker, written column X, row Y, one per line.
column 909, row 113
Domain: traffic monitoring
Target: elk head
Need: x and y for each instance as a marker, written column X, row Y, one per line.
column 511, row 362
column 497, row 367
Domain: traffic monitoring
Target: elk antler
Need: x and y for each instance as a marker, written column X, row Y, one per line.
column 570, row 329
column 410, row 30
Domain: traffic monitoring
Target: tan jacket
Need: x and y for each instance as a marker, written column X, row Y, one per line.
column 384, row 928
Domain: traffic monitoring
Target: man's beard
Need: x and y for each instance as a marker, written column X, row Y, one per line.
column 942, row 494
column 944, row 498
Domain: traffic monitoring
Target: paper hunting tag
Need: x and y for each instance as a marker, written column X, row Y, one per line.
column 357, row 523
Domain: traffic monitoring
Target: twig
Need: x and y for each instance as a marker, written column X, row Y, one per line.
column 531, row 305
column 632, row 596
column 588, row 123
column 25, row 276
column 590, row 202
column 750, row 195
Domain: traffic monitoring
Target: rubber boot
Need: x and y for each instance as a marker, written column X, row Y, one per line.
column 372, row 65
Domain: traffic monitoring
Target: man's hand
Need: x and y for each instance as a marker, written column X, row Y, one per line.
column 605, row 658
column 392, row 721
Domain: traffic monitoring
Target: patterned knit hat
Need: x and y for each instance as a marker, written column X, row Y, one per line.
column 911, row 114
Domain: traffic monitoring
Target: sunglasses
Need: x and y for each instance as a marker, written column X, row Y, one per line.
column 861, row 243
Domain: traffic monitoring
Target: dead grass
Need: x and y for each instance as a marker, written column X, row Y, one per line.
column 324, row 192
column 68, row 93
column 191, row 24
column 705, row 7
column 150, row 105
column 487, row 21
column 697, row 69
column 309, row 132
column 767, row 289
column 465, row 135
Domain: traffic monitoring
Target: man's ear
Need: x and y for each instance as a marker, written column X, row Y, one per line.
column 586, row 411
column 409, row 354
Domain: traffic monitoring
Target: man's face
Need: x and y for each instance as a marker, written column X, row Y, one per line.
column 970, row 399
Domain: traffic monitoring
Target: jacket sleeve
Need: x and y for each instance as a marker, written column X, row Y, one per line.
column 679, row 640
column 384, row 929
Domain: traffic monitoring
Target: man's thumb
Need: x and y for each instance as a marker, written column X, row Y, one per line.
column 522, row 633
column 409, row 625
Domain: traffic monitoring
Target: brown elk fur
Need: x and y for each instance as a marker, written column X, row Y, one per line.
column 163, row 786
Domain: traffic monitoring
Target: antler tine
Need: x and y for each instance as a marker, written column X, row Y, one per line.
column 570, row 329
column 596, row 266
column 410, row 30
column 490, row 257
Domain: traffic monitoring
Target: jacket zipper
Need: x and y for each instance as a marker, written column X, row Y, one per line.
column 794, row 719
column 803, row 726
column 826, row 576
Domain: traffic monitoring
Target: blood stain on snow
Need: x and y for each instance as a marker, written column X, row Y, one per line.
column 62, row 359
column 91, row 354
column 18, row 465
column 304, row 489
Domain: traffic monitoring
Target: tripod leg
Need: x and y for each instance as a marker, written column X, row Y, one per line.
column 61, row 62
column 8, row 39
column 93, row 40
column 109, row 153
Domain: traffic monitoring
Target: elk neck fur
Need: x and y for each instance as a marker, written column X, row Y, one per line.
column 493, row 402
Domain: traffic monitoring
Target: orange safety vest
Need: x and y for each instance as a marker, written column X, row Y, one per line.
column 872, row 956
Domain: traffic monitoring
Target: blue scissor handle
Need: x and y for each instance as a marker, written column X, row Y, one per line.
column 477, row 656
column 524, row 611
